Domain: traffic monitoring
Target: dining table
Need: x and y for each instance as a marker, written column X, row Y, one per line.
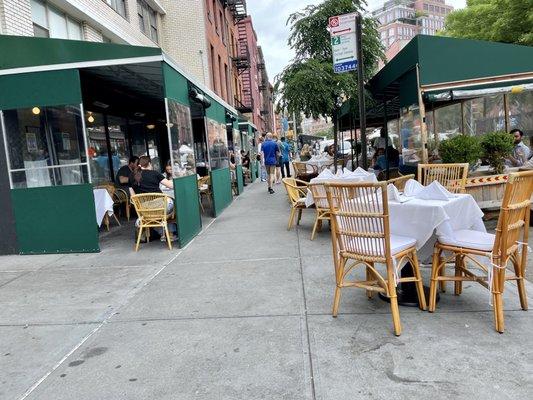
column 103, row 203
column 320, row 161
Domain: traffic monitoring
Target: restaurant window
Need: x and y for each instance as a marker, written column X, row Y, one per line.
column 46, row 146
column 181, row 136
column 448, row 121
column 217, row 143
column 484, row 114
column 394, row 133
column 410, row 135
column 118, row 5
column 50, row 22
column 147, row 20
column 521, row 112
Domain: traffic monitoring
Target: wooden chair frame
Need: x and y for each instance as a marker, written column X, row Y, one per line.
column 509, row 245
column 400, row 181
column 296, row 190
column 302, row 172
column 204, row 180
column 322, row 209
column 111, row 190
column 451, row 176
column 360, row 235
column 152, row 217
column 121, row 198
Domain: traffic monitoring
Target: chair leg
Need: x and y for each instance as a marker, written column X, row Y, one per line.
column 442, row 284
column 291, row 218
column 498, row 287
column 519, row 272
column 458, row 285
column 299, row 216
column 168, row 237
column 116, row 219
column 314, row 227
column 128, row 212
column 139, row 238
column 369, row 277
column 419, row 284
column 339, row 276
column 434, row 283
column 394, row 309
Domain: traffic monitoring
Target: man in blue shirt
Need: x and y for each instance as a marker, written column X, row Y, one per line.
column 285, row 158
column 270, row 155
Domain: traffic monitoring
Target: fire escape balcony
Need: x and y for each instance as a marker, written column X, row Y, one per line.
column 241, row 59
column 245, row 106
column 237, row 9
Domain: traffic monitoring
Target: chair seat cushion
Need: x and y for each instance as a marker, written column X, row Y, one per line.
column 400, row 243
column 470, row 239
column 301, row 200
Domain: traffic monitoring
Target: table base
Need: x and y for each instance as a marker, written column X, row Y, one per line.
column 407, row 295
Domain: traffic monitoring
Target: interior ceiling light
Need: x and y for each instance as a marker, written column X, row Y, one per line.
column 100, row 104
column 91, row 118
column 36, row 110
column 150, row 126
column 139, row 114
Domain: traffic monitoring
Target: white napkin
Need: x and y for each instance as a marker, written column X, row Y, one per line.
column 434, row 191
column 393, row 193
column 325, row 174
column 412, row 187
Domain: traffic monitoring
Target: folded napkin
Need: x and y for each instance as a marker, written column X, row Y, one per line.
column 434, row 191
column 393, row 193
column 412, row 187
column 326, row 174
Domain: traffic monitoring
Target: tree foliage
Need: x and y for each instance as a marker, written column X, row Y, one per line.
column 508, row 21
column 308, row 84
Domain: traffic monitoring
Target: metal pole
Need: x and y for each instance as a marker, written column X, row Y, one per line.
column 351, row 138
column 423, row 126
column 335, row 134
column 360, row 84
column 386, row 135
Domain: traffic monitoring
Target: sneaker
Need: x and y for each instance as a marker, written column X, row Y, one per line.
column 173, row 238
column 271, row 191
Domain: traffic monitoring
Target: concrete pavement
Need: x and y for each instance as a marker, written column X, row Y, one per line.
column 243, row 312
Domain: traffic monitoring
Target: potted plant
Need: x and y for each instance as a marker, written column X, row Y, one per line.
column 461, row 149
column 496, row 147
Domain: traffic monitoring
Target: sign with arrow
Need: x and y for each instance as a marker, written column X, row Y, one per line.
column 343, row 42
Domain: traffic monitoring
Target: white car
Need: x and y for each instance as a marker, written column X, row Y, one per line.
column 344, row 147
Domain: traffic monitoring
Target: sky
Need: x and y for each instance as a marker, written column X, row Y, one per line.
column 269, row 19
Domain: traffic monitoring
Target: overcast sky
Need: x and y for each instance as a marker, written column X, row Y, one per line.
column 269, row 18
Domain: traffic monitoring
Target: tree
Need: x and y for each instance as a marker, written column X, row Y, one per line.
column 508, row 21
column 308, row 84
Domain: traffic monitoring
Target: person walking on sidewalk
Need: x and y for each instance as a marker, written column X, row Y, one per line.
column 285, row 158
column 279, row 165
column 261, row 159
column 270, row 155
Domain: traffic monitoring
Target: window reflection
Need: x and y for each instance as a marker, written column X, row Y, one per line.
column 181, row 135
column 46, row 146
column 217, row 142
column 410, row 135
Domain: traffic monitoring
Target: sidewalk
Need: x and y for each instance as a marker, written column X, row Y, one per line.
column 243, row 312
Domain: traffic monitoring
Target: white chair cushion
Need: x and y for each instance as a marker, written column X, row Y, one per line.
column 301, row 200
column 400, row 243
column 470, row 239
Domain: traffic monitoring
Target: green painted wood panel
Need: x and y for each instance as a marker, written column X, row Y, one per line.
column 49, row 88
column 59, row 219
column 216, row 112
column 187, row 206
column 240, row 179
column 32, row 51
column 252, row 171
column 221, row 187
column 176, row 85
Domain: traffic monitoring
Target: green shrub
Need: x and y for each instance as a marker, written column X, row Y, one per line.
column 460, row 149
column 496, row 147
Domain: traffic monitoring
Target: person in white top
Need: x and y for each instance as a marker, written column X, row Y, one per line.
column 262, row 159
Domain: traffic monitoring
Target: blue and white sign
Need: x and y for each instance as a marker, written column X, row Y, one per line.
column 343, row 42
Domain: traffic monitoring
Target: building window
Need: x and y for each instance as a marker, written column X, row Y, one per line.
column 147, row 20
column 50, row 22
column 215, row 14
column 208, row 10
column 213, row 68
column 118, row 5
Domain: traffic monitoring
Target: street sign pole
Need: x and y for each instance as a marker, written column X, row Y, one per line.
column 361, row 87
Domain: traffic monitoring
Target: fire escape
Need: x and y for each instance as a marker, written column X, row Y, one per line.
column 264, row 88
column 242, row 60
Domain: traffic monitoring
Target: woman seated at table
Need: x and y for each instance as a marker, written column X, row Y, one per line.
column 305, row 153
column 380, row 161
column 145, row 180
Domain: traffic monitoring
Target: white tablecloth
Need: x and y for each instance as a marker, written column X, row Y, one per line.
column 102, row 203
column 320, row 162
column 309, row 201
column 423, row 220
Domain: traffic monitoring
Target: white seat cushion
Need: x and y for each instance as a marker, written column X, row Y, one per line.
column 470, row 239
column 400, row 243
column 373, row 247
column 301, row 200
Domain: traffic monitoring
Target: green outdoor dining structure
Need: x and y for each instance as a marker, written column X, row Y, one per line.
column 73, row 112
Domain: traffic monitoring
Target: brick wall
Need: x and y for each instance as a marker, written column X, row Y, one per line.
column 183, row 36
column 91, row 34
column 15, row 17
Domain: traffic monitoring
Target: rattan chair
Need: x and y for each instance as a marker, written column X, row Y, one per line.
column 451, row 176
column 304, row 171
column 491, row 253
column 393, row 173
column 152, row 212
column 121, row 198
column 321, row 206
column 204, row 190
column 361, row 238
column 297, row 192
column 400, row 181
